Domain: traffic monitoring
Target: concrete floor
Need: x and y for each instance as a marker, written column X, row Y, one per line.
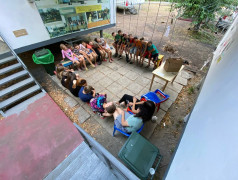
column 120, row 78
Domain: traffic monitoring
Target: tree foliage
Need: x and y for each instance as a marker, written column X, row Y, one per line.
column 201, row 10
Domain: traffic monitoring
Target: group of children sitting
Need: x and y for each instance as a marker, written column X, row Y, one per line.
column 134, row 46
column 93, row 52
column 143, row 111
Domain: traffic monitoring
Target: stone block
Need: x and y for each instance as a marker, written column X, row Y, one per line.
column 105, row 70
column 166, row 105
column 132, row 75
column 172, row 94
column 181, row 80
column 125, row 91
column 155, row 86
column 82, row 114
column 122, row 70
column 70, row 101
column 160, row 115
column 135, row 88
column 143, row 81
column 124, row 81
column 185, row 74
column 175, row 86
column 148, row 129
column 105, row 82
column 115, row 88
column 115, row 75
column 98, row 87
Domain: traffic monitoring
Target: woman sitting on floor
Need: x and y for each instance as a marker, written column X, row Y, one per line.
column 128, row 100
column 87, row 93
column 99, row 105
column 76, row 85
column 128, row 122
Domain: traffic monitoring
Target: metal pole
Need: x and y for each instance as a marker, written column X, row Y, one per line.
column 101, row 33
column 166, row 22
column 137, row 21
column 123, row 15
column 156, row 20
column 146, row 17
column 130, row 25
column 173, row 31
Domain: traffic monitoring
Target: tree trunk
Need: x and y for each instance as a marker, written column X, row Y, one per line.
column 197, row 26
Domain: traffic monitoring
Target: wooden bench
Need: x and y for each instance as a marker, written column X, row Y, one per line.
column 66, row 63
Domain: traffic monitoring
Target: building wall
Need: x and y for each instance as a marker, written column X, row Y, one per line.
column 208, row 148
column 20, row 14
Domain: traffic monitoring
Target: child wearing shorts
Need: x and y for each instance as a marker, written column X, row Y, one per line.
column 90, row 51
column 103, row 44
column 143, row 50
column 69, row 55
column 133, row 49
column 138, row 48
column 153, row 53
column 117, row 38
column 81, row 49
column 123, row 45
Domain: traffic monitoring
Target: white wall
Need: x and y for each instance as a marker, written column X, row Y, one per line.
column 209, row 146
column 20, row 14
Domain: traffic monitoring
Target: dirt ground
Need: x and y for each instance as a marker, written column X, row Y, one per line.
column 167, row 135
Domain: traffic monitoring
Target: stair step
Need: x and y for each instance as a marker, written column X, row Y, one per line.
column 102, row 172
column 73, row 167
column 16, row 86
column 22, row 106
column 7, row 59
column 80, row 150
column 87, row 168
column 13, row 77
column 19, row 96
column 10, row 68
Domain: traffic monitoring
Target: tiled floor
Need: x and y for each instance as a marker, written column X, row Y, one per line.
column 120, row 78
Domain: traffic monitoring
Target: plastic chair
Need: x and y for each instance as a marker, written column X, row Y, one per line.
column 152, row 96
column 126, row 134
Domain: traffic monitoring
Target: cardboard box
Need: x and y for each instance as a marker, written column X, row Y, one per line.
column 173, row 64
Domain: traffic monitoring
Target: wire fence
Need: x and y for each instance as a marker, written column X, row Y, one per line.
column 161, row 23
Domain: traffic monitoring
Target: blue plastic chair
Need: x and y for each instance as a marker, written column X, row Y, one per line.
column 152, row 96
column 126, row 134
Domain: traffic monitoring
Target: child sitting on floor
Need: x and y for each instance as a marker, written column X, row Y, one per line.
column 99, row 104
column 76, row 85
column 87, row 93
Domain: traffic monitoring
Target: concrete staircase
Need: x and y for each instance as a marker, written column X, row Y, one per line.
column 18, row 88
column 83, row 164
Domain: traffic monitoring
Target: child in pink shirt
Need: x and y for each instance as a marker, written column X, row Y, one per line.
column 68, row 54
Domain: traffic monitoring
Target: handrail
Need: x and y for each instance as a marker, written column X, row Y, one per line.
column 115, row 165
column 21, row 62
